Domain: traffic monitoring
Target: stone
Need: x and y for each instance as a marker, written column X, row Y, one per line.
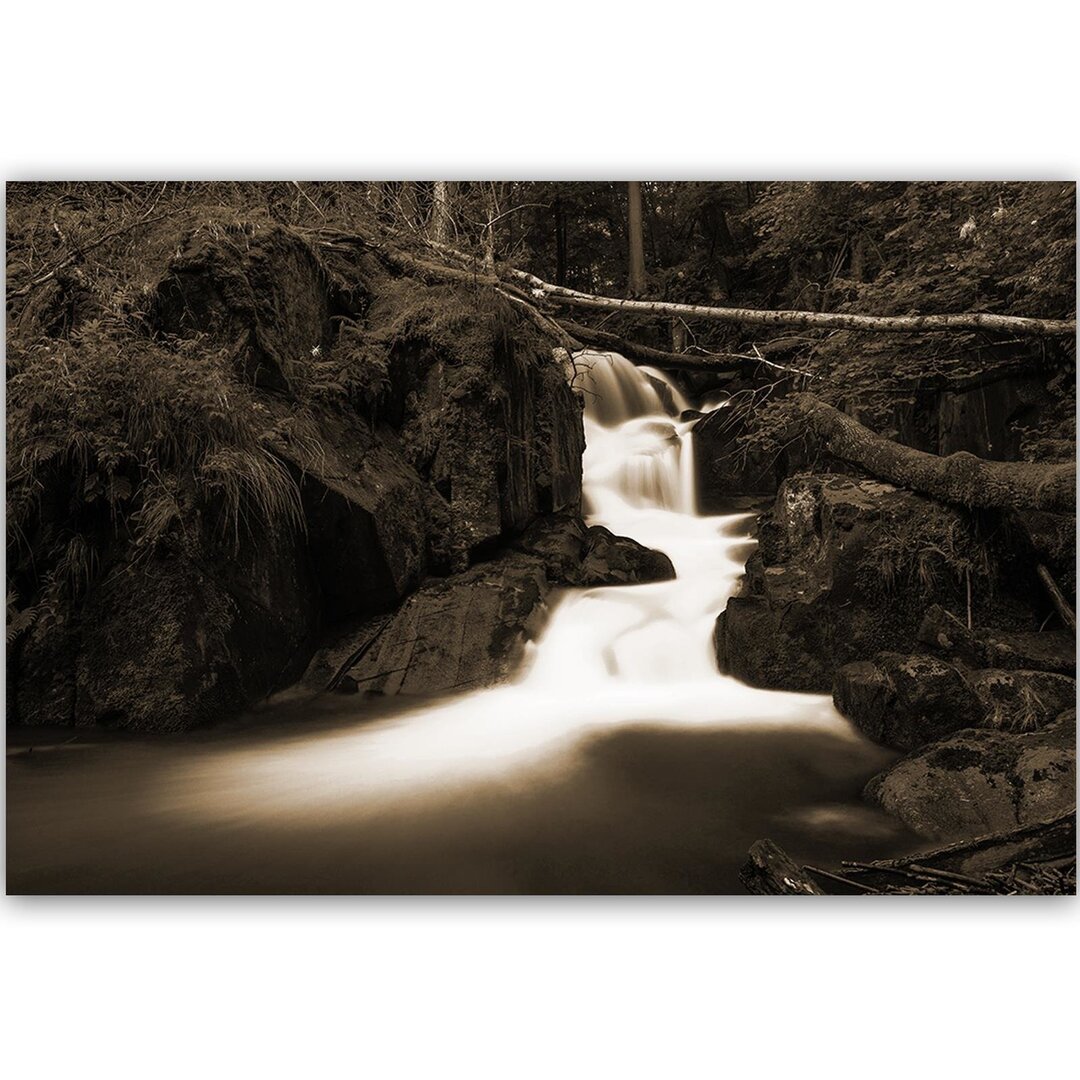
column 982, row 781
column 619, row 560
column 723, row 466
column 1021, row 700
column 905, row 701
column 1049, row 650
column 845, row 568
column 167, row 642
column 461, row 633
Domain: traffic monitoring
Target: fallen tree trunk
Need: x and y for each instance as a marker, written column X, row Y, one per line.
column 959, row 478
column 822, row 320
column 770, row 871
column 644, row 354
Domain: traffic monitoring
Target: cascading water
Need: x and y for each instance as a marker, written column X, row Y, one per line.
column 619, row 760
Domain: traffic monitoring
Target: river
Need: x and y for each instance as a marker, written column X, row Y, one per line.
column 618, row 761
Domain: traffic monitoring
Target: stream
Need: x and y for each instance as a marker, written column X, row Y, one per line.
column 618, row 761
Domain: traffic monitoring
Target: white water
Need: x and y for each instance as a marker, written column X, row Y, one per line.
column 610, row 656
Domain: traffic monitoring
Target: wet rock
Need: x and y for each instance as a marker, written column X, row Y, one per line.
column 618, row 560
column 845, row 568
column 979, row 782
column 559, row 542
column 906, row 701
column 575, row 556
column 1049, row 650
column 461, row 633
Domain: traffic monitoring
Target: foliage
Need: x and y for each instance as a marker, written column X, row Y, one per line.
column 112, row 436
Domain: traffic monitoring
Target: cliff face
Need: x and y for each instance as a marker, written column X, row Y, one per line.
column 418, row 429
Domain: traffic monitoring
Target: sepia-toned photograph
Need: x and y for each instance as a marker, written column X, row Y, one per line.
column 541, row 537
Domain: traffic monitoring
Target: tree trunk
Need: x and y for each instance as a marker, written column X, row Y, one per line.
column 560, row 242
column 770, row 871
column 644, row 354
column 636, row 277
column 959, row 478
column 815, row 320
column 440, row 212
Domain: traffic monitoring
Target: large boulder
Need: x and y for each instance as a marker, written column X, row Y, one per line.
column 422, row 440
column 907, row 701
column 258, row 290
column 845, row 568
column 461, row 633
column 166, row 642
column 979, row 782
column 499, row 439
column 469, row 630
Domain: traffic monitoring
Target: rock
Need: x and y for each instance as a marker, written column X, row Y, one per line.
column 906, row 701
column 580, row 557
column 499, row 437
column 560, row 542
column 464, row 434
column 844, row 569
column 461, row 633
column 256, row 289
column 366, row 515
column 725, row 468
column 979, row 782
column 1050, row 650
column 618, row 560
column 165, row 643
column 1021, row 700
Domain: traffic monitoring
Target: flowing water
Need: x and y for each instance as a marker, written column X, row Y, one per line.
column 620, row 760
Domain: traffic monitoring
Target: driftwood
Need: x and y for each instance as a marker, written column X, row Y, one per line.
column 959, row 478
column 770, row 871
column 1044, row 853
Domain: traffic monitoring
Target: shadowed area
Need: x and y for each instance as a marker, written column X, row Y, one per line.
column 639, row 809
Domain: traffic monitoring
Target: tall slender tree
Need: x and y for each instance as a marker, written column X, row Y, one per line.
column 440, row 212
column 636, row 276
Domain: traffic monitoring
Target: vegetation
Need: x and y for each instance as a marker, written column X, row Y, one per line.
column 117, row 434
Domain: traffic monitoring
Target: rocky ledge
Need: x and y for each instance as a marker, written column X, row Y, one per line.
column 469, row 630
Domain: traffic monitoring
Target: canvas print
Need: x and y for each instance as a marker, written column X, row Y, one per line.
column 507, row 537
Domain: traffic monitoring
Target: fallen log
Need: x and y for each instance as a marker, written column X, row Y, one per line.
column 814, row 320
column 959, row 478
column 770, row 871
column 645, row 354
column 819, row 320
